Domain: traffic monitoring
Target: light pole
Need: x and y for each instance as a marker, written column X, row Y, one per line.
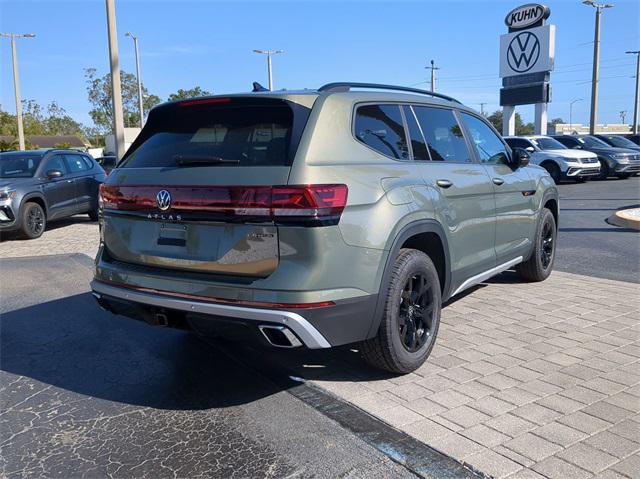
column 16, row 82
column 140, row 107
column 116, row 92
column 571, row 110
column 596, row 63
column 635, row 105
column 269, row 53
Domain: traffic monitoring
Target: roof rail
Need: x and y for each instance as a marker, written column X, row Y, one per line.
column 346, row 86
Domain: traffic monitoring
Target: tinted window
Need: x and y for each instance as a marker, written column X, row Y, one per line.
column 247, row 132
column 418, row 144
column 380, row 127
column 592, row 142
column 488, row 145
column 18, row 166
column 619, row 141
column 56, row 163
column 87, row 162
column 567, row 141
column 443, row 134
column 517, row 143
column 76, row 163
column 548, row 144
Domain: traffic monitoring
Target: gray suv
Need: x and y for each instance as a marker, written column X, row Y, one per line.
column 37, row 186
column 319, row 218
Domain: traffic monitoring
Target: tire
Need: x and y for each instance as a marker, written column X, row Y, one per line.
column 93, row 215
column 539, row 266
column 604, row 170
column 33, row 221
column 554, row 171
column 400, row 346
column 624, row 176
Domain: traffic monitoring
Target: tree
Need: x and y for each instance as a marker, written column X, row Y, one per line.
column 521, row 128
column 37, row 120
column 551, row 125
column 191, row 93
column 99, row 92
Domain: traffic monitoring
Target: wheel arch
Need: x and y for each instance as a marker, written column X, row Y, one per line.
column 36, row 198
column 427, row 236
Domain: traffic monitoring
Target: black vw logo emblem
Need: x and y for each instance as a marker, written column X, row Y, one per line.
column 523, row 52
column 163, row 199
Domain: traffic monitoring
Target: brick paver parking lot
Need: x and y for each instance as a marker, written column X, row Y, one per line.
column 527, row 380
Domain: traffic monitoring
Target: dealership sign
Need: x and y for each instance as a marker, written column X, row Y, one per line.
column 527, row 51
column 531, row 14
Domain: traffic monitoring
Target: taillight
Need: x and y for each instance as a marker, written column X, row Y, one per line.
column 316, row 204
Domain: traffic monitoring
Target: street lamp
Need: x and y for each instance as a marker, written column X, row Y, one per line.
column 571, row 110
column 635, row 105
column 16, row 81
column 596, row 62
column 269, row 53
column 140, row 106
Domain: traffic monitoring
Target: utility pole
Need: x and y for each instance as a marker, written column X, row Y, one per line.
column 140, row 104
column 623, row 114
column 635, row 105
column 596, row 63
column 16, row 82
column 571, row 111
column 116, row 92
column 269, row 53
column 433, row 75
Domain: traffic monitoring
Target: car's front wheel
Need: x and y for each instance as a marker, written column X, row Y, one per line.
column 33, row 221
column 411, row 317
column 540, row 264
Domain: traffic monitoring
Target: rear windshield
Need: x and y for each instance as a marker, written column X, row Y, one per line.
column 18, row 165
column 239, row 131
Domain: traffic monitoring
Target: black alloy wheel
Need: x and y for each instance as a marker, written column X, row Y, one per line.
column 416, row 310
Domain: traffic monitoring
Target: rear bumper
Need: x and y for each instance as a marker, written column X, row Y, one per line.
column 316, row 328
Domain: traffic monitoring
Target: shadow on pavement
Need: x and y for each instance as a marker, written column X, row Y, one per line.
column 71, row 344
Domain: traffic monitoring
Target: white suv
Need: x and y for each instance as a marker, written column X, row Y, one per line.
column 561, row 162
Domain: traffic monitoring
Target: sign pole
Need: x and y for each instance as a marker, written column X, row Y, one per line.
column 541, row 118
column 508, row 120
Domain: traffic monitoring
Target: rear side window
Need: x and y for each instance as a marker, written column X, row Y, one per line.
column 76, row 163
column 443, row 134
column 380, row 127
column 240, row 131
column 87, row 162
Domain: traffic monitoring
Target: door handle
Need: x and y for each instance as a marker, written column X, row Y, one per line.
column 444, row 183
column 498, row 181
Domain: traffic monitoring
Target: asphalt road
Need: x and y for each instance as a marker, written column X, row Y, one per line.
column 587, row 244
column 86, row 393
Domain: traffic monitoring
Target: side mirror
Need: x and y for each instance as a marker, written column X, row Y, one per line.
column 521, row 157
column 576, row 147
column 51, row 174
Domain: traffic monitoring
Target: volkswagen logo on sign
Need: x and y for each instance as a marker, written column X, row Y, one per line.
column 163, row 199
column 523, row 52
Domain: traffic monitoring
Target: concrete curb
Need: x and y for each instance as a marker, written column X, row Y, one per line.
column 626, row 218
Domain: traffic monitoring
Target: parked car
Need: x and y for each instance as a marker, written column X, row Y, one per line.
column 614, row 161
column 634, row 137
column 618, row 141
column 107, row 163
column 38, row 186
column 319, row 218
column 561, row 162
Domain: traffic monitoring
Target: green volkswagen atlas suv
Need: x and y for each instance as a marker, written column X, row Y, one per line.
column 318, row 218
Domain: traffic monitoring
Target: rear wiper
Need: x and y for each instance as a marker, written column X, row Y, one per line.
column 195, row 160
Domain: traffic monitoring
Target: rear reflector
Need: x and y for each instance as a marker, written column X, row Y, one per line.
column 277, row 203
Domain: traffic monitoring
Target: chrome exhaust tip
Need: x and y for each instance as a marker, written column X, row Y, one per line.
column 279, row 336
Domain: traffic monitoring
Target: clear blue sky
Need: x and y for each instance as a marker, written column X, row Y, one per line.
column 210, row 44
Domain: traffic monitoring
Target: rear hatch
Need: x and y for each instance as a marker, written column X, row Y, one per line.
column 196, row 190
